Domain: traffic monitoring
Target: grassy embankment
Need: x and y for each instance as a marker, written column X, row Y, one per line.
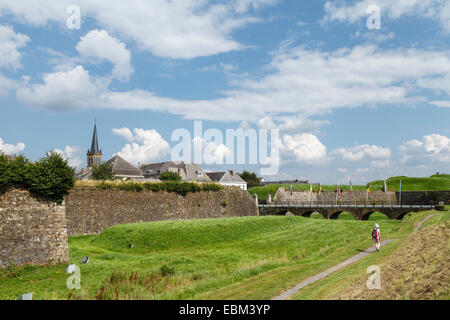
column 240, row 258
column 433, row 183
column 414, row 267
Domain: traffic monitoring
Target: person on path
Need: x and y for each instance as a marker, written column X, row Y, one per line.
column 376, row 236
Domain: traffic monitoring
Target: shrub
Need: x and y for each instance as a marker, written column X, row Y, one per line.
column 169, row 176
column 224, row 203
column 52, row 177
column 103, row 172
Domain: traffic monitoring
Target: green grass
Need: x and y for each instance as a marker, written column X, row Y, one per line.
column 345, row 278
column 207, row 257
column 433, row 183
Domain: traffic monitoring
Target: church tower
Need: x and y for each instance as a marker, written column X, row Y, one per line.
column 94, row 155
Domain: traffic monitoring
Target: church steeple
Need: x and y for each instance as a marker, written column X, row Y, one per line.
column 94, row 155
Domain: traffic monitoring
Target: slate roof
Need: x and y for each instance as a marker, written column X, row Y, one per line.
column 121, row 167
column 160, row 167
column 226, row 176
column 191, row 170
column 94, row 144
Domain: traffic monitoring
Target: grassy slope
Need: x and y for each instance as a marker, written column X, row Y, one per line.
column 207, row 256
column 412, row 267
column 433, row 183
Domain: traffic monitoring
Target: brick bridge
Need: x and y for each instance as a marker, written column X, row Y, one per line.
column 360, row 212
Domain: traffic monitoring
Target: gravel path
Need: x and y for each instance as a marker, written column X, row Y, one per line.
column 339, row 266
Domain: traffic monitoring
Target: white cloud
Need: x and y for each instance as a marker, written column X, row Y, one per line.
column 442, row 104
column 350, row 13
column 301, row 83
column 433, row 148
column 100, row 45
column 10, row 56
column 146, row 145
column 72, row 154
column 306, row 148
column 10, row 43
column 173, row 29
column 62, row 90
column 298, row 123
column 11, row 149
column 364, row 152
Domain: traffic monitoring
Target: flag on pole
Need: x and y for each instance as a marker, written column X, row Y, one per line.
column 310, row 189
column 292, row 188
column 351, row 187
column 339, row 190
column 385, row 186
column 368, row 189
column 320, row 189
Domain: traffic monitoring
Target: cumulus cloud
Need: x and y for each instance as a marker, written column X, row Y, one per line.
column 73, row 89
column 72, row 154
column 338, row 11
column 100, row 45
column 433, row 148
column 298, row 123
column 10, row 56
column 145, row 145
column 306, row 148
column 11, row 149
column 172, row 29
column 441, row 104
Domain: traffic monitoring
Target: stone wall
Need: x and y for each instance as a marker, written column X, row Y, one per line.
column 361, row 197
column 32, row 231
column 90, row 211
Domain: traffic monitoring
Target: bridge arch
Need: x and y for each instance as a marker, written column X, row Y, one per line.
column 335, row 215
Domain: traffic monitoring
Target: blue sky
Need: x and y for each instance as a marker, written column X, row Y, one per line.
column 350, row 102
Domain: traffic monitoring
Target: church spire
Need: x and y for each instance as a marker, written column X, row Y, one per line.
column 94, row 155
column 94, row 144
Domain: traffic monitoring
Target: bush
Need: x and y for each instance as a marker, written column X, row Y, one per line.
column 224, row 203
column 103, row 172
column 169, row 176
column 251, row 178
column 51, row 177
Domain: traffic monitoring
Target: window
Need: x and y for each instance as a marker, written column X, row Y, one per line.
column 199, row 173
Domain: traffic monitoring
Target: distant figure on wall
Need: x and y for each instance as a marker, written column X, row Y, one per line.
column 376, row 236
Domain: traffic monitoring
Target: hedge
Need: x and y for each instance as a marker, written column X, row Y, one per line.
column 182, row 188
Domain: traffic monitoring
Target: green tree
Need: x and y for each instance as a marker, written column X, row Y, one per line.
column 14, row 171
column 52, row 177
column 103, row 172
column 169, row 176
column 251, row 178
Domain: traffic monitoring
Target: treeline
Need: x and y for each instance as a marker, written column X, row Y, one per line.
column 51, row 177
column 181, row 188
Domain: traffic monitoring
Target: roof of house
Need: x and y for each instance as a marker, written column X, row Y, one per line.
column 226, row 176
column 160, row 167
column 192, row 171
column 121, row 167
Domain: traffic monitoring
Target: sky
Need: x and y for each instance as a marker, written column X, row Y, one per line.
column 357, row 90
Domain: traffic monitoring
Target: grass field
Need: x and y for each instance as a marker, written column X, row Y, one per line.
column 433, row 183
column 239, row 258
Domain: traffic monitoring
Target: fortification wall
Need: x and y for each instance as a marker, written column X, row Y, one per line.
column 362, row 198
column 32, row 231
column 90, row 211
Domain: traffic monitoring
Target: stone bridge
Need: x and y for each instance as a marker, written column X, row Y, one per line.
column 360, row 212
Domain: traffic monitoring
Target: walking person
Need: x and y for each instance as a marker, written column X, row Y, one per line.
column 376, row 236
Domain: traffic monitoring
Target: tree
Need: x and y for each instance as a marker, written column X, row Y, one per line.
column 52, row 177
column 169, row 176
column 103, row 172
column 251, row 178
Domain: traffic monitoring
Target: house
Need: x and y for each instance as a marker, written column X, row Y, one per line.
column 228, row 179
column 187, row 171
column 124, row 170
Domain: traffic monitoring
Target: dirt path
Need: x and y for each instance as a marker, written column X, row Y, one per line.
column 340, row 266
